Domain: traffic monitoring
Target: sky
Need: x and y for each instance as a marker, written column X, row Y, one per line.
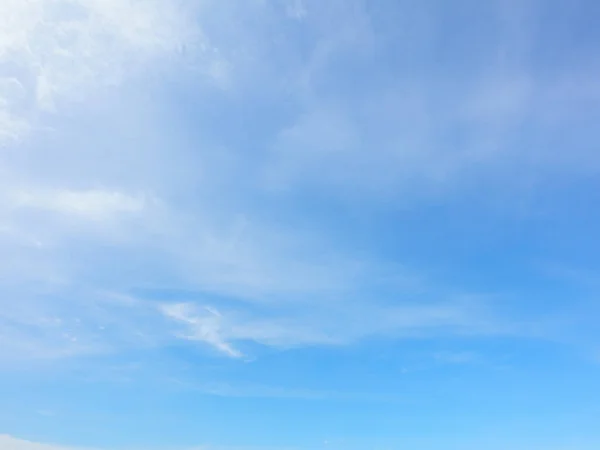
column 299, row 225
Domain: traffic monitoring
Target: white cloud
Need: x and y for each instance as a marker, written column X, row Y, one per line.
column 52, row 51
column 330, row 325
column 136, row 192
column 206, row 327
column 11, row 443
column 296, row 9
column 94, row 204
column 8, row 442
column 138, row 197
column 421, row 129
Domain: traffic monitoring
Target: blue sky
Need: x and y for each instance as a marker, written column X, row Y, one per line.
column 299, row 225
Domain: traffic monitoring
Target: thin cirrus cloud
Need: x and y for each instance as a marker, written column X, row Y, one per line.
column 55, row 51
column 59, row 55
column 330, row 326
column 279, row 204
column 148, row 153
column 92, row 204
column 12, row 443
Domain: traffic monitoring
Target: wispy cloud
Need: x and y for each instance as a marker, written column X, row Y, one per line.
column 91, row 204
column 222, row 389
column 206, row 327
column 55, row 51
column 161, row 148
column 334, row 324
column 11, row 443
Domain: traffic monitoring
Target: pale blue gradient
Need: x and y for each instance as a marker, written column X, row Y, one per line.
column 299, row 225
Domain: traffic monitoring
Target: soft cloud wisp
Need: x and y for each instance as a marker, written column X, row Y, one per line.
column 213, row 207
